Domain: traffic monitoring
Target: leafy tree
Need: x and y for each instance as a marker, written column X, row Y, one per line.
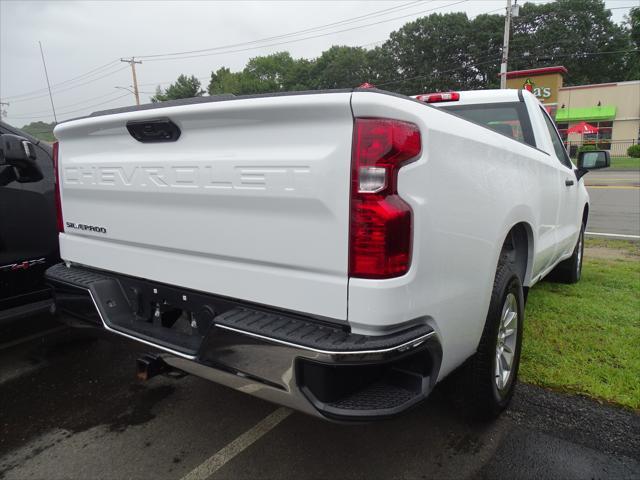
column 567, row 32
column 226, row 81
column 300, row 75
column 432, row 54
column 184, row 87
column 633, row 22
column 381, row 69
column 450, row 51
column 40, row 130
column 341, row 67
column 272, row 73
column 485, row 47
column 269, row 73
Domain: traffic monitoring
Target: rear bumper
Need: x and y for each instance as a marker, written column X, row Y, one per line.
column 318, row 368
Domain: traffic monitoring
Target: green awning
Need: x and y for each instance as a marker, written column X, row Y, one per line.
column 605, row 112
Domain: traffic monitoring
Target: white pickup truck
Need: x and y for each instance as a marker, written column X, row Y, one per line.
column 337, row 252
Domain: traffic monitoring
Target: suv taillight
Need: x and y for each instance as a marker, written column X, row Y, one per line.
column 59, row 222
column 381, row 222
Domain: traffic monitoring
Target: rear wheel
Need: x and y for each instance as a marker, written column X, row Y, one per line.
column 570, row 270
column 493, row 370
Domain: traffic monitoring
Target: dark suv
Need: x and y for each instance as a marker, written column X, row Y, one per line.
column 28, row 231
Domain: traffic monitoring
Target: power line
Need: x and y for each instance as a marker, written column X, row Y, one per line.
column 377, row 13
column 178, row 56
column 490, row 61
column 53, row 86
column 306, row 38
column 74, row 86
column 82, row 102
column 30, row 96
column 76, row 110
column 290, row 34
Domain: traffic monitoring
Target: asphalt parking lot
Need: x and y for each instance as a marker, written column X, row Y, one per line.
column 71, row 408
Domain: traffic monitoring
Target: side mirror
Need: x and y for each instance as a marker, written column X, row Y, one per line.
column 592, row 160
column 20, row 153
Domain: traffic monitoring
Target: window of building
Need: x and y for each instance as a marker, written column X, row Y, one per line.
column 603, row 137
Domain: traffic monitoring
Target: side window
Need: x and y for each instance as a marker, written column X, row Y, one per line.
column 558, row 146
column 508, row 118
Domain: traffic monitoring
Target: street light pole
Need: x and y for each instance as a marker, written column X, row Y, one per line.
column 505, row 47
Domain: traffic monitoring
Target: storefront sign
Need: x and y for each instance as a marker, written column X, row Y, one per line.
column 544, row 83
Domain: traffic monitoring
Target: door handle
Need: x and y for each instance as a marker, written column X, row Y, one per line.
column 568, row 183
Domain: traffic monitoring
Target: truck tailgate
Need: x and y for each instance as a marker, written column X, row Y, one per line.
column 251, row 202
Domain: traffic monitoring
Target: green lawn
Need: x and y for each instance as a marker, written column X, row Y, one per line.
column 585, row 338
column 625, row 163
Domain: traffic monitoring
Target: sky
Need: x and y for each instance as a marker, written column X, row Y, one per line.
column 83, row 43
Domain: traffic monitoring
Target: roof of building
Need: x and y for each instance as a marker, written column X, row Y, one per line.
column 537, row 71
column 600, row 85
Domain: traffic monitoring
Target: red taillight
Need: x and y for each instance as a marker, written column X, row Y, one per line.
column 381, row 222
column 439, row 97
column 60, row 222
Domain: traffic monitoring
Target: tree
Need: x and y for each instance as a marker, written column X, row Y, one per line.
column 578, row 34
column 272, row 73
column 269, row 73
column 184, row 87
column 341, row 67
column 40, row 130
column 432, row 54
column 225, row 81
column 485, row 48
column 449, row 51
column 633, row 22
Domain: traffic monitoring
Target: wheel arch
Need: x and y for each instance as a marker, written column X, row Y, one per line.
column 585, row 214
column 518, row 248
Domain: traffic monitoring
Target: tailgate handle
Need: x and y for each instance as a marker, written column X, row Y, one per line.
column 154, row 130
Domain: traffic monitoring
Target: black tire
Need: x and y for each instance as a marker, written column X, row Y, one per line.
column 570, row 270
column 486, row 399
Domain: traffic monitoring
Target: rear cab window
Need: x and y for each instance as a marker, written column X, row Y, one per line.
column 508, row 118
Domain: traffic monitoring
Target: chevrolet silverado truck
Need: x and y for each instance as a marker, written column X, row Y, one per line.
column 336, row 252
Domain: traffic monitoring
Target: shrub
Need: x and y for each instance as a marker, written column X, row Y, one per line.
column 587, row 148
column 634, row 151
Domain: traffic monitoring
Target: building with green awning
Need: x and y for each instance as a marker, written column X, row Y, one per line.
column 613, row 108
column 605, row 112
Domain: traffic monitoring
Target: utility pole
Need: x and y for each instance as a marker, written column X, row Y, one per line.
column 132, row 61
column 505, row 47
column 55, row 119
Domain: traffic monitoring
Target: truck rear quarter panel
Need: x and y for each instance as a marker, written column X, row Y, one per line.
column 467, row 189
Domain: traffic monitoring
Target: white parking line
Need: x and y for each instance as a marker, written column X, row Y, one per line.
column 616, row 235
column 222, row 456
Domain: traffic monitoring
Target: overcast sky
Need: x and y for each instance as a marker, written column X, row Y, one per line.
column 84, row 37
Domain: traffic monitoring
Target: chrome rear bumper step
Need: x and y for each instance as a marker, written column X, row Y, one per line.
column 314, row 366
